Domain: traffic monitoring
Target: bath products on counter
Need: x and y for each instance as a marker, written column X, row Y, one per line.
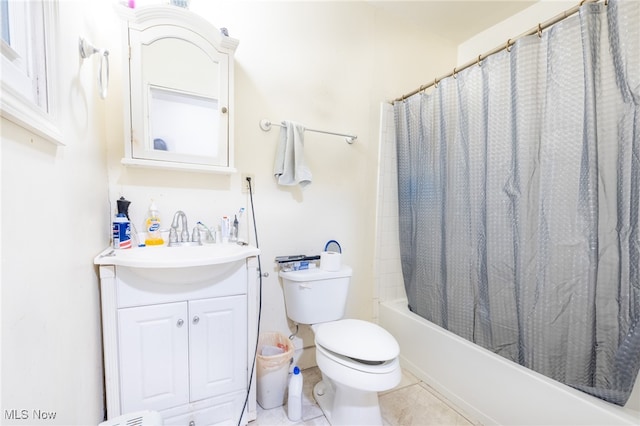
column 121, row 232
column 152, row 225
column 225, row 229
column 122, row 226
column 234, row 229
column 294, row 401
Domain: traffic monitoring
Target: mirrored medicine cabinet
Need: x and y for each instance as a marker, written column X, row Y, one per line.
column 178, row 91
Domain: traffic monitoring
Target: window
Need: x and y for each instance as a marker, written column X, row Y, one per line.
column 28, row 65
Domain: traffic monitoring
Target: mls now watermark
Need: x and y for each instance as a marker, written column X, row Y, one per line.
column 17, row 414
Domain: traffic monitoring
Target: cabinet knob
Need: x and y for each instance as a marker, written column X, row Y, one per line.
column 180, row 322
column 224, row 110
column 196, row 319
column 192, row 423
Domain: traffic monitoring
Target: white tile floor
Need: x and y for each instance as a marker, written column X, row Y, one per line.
column 412, row 402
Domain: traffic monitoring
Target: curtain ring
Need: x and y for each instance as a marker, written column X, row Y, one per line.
column 479, row 60
column 539, row 31
column 455, row 73
column 508, row 46
column 435, row 82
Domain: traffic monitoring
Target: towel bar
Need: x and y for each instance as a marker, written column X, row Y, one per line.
column 266, row 126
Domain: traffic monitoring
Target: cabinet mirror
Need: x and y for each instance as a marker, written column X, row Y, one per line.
column 179, row 98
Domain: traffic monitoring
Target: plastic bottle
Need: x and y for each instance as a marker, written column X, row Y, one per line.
column 225, row 229
column 294, row 403
column 121, row 232
column 152, row 225
column 234, row 229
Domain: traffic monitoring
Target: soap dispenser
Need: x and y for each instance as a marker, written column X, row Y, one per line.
column 152, row 225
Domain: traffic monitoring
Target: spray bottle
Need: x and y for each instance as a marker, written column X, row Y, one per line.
column 152, row 225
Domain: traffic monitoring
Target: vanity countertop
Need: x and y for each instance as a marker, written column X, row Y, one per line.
column 176, row 257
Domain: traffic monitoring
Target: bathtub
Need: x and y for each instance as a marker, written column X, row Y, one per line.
column 489, row 388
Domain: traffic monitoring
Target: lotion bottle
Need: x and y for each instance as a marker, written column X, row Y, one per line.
column 152, row 225
column 294, row 402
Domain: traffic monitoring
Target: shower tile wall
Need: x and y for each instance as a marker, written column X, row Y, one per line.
column 388, row 272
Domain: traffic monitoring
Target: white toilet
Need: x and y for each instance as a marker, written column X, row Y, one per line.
column 357, row 358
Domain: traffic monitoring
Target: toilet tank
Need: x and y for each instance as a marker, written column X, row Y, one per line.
column 312, row 296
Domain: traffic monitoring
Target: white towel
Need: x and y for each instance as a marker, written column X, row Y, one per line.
column 289, row 167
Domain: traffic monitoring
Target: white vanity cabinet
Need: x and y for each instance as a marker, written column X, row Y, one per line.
column 196, row 348
column 179, row 340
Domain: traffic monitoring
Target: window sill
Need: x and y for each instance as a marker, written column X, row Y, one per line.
column 14, row 108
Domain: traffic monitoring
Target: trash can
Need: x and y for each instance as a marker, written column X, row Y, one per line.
column 275, row 354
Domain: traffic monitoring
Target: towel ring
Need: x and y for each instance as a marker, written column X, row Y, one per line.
column 86, row 49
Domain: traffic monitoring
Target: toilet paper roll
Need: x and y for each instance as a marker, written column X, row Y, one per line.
column 330, row 261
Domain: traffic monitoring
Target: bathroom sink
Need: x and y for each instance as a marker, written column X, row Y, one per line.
column 164, row 257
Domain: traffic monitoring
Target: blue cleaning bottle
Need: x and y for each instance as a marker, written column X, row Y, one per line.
column 121, row 232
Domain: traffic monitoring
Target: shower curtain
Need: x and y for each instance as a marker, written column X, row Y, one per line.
column 519, row 193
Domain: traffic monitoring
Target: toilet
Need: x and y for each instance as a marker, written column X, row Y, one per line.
column 357, row 358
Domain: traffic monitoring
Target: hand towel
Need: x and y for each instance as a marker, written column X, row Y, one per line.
column 289, row 166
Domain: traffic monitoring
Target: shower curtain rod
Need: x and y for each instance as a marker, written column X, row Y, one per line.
column 510, row 42
column 266, row 126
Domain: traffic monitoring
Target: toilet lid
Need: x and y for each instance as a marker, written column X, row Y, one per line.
column 357, row 339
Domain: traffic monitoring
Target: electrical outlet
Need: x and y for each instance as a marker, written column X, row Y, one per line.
column 245, row 185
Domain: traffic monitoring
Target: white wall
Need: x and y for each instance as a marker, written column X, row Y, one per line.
column 511, row 28
column 53, row 214
column 325, row 64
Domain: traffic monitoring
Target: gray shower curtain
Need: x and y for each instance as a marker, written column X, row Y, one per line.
column 518, row 187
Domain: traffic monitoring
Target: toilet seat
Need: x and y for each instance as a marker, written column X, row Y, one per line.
column 360, row 341
column 383, row 368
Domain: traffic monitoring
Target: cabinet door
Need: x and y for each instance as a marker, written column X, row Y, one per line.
column 153, row 351
column 222, row 410
column 218, row 346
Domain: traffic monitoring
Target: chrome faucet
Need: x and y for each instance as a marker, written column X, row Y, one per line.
column 182, row 239
column 173, row 232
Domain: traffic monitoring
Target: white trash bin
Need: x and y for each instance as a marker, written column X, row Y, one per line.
column 275, row 353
